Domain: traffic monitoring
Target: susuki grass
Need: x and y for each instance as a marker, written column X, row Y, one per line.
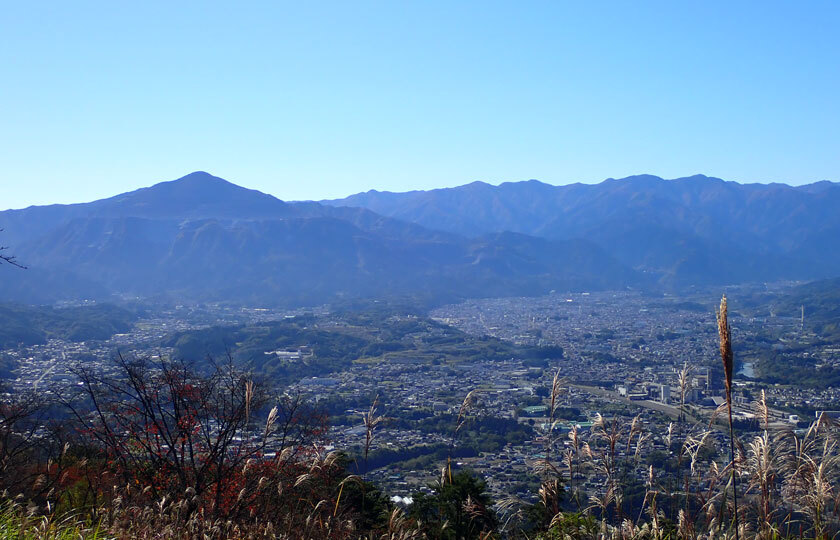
column 728, row 359
column 775, row 484
column 21, row 523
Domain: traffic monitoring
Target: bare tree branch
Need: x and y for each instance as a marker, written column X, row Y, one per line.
column 9, row 259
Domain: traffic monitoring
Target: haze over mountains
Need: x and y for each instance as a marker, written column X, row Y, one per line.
column 694, row 230
column 203, row 238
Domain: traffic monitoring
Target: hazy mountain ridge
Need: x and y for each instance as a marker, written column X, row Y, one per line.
column 201, row 237
column 688, row 230
column 197, row 195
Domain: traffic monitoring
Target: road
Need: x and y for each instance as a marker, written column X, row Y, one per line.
column 670, row 410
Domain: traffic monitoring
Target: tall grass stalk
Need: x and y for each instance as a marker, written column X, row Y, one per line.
column 684, row 381
column 728, row 359
column 371, row 421
column 466, row 405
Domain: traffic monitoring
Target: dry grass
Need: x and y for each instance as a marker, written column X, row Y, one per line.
column 728, row 359
column 786, row 483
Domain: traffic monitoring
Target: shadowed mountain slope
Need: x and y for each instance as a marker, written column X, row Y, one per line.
column 691, row 230
column 203, row 238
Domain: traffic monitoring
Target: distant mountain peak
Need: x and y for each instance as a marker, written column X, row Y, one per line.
column 643, row 177
column 196, row 195
column 636, row 180
column 651, row 180
column 197, row 180
column 478, row 184
column 529, row 183
column 199, row 175
column 819, row 187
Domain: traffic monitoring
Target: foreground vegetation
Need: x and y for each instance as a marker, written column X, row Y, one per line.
column 167, row 450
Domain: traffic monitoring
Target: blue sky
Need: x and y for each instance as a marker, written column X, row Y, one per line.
column 310, row 100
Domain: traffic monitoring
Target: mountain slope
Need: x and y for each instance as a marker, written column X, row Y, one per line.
column 689, row 230
column 203, row 238
column 198, row 195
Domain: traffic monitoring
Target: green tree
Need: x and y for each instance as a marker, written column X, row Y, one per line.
column 457, row 510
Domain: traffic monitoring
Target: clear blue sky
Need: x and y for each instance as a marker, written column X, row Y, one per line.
column 309, row 100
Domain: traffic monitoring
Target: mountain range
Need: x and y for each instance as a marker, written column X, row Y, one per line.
column 203, row 238
column 686, row 231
